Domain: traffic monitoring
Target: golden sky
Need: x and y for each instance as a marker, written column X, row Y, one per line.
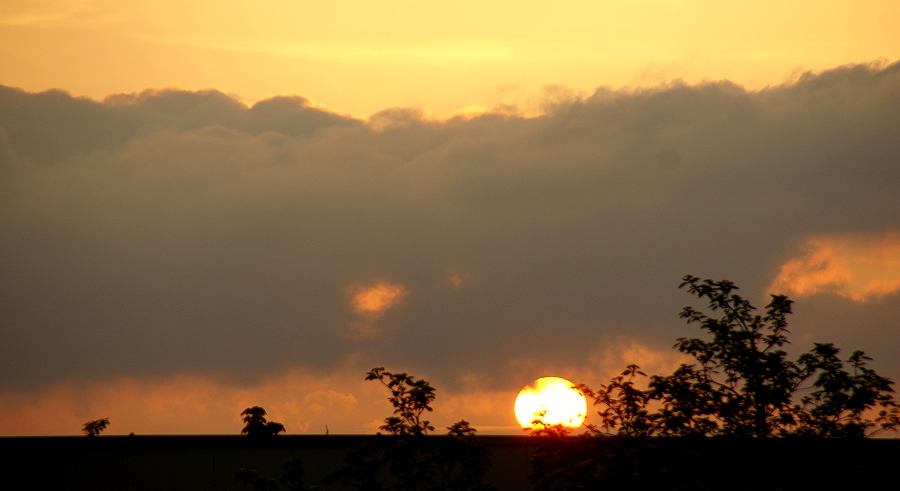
column 360, row 57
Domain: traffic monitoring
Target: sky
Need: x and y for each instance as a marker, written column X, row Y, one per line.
column 211, row 205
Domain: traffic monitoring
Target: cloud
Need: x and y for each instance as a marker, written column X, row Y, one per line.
column 607, row 361
column 53, row 125
column 457, row 279
column 177, row 232
column 371, row 301
column 861, row 268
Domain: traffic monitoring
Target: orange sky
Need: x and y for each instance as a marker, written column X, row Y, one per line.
column 361, row 57
column 302, row 400
column 174, row 257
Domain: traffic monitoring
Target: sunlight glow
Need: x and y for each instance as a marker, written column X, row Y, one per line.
column 551, row 400
column 434, row 56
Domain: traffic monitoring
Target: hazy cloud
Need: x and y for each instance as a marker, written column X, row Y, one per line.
column 457, row 279
column 52, row 125
column 168, row 233
column 372, row 301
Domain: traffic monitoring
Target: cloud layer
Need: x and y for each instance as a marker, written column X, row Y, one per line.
column 170, row 232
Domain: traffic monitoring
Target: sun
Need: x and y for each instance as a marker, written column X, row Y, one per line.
column 551, row 400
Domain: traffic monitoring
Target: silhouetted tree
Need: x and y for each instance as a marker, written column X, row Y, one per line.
column 414, row 460
column 741, row 383
column 539, row 428
column 625, row 406
column 361, row 468
column 292, row 475
column 259, row 483
column 93, row 428
column 464, row 461
column 840, row 402
column 255, row 423
column 410, row 399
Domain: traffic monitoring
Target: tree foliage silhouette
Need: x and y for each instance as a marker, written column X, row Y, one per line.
column 410, row 398
column 256, row 481
column 625, row 406
column 840, row 402
column 413, row 459
column 255, row 423
column 292, row 475
column 539, row 428
column 93, row 428
column 741, row 384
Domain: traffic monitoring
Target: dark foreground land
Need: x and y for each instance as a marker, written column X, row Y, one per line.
column 210, row 462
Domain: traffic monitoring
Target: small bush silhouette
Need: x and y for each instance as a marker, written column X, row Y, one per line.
column 255, row 423
column 93, row 428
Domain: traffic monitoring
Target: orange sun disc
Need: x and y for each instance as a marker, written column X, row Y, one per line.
column 551, row 400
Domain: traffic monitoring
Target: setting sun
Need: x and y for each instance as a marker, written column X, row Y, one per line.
column 551, row 400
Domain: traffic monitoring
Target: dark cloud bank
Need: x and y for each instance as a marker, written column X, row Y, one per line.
column 177, row 231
